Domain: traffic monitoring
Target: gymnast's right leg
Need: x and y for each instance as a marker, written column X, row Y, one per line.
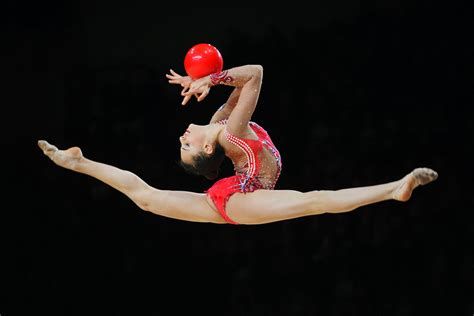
column 182, row 205
column 265, row 206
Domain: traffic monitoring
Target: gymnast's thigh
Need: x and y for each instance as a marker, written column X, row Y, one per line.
column 183, row 205
column 265, row 206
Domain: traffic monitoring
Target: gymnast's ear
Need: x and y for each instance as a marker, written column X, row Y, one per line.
column 208, row 149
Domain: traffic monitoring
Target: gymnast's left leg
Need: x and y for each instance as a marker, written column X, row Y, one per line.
column 182, row 205
column 264, row 206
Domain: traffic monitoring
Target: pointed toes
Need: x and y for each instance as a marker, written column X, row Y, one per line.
column 425, row 175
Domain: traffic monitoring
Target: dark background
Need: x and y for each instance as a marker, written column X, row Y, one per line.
column 354, row 94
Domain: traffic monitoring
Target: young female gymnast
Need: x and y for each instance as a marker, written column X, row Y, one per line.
column 248, row 197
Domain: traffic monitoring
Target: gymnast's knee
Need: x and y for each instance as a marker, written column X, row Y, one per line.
column 318, row 201
column 142, row 198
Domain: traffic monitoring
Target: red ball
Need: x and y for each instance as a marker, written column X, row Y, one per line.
column 201, row 60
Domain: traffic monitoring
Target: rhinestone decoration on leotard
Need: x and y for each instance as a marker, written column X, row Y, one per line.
column 250, row 181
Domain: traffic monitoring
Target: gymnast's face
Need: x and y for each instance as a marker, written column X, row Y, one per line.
column 192, row 142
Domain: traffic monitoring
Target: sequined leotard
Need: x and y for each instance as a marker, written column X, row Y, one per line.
column 251, row 176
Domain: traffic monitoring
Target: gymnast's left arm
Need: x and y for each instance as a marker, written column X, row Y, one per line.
column 226, row 109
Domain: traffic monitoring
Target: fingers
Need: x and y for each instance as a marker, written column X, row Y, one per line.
column 188, row 91
column 199, row 96
column 174, row 73
column 184, row 91
column 203, row 95
column 174, row 77
column 186, row 99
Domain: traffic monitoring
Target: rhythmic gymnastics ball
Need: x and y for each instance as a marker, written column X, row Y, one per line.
column 203, row 59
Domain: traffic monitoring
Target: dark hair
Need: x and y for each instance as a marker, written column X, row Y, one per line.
column 206, row 165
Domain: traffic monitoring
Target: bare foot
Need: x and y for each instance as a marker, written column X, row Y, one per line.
column 68, row 159
column 419, row 176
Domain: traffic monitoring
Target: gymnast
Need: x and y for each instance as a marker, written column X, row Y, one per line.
column 248, row 196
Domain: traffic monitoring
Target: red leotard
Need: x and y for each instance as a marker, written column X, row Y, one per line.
column 251, row 177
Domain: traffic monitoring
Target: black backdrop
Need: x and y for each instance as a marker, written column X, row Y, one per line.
column 353, row 94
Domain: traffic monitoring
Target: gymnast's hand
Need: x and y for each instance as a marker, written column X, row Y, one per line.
column 198, row 88
column 183, row 81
